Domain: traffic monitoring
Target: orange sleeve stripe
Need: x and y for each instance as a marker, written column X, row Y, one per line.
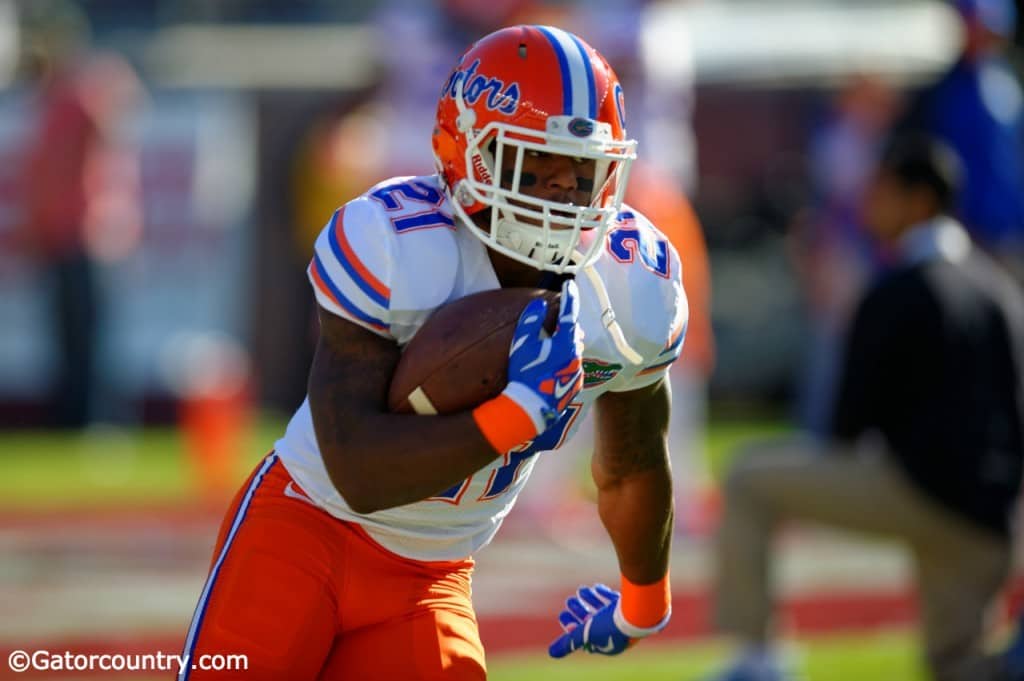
column 655, row 368
column 646, row 605
column 337, row 297
column 365, row 278
column 504, row 423
column 319, row 282
column 676, row 332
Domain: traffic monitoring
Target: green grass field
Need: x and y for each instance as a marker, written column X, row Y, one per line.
column 109, row 467
column 115, row 469
column 883, row 656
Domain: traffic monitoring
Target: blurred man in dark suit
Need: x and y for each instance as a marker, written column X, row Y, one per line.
column 927, row 439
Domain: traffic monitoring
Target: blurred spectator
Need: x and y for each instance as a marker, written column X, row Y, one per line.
column 832, row 254
column 927, row 439
column 80, row 187
column 977, row 107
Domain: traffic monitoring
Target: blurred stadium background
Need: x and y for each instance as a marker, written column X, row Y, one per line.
column 253, row 120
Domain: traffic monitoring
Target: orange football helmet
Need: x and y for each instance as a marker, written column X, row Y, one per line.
column 530, row 89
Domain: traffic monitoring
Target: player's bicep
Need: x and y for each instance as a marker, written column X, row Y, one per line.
column 631, row 433
column 351, row 370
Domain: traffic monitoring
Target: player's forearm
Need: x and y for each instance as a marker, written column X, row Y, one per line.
column 374, row 458
column 388, row 460
column 637, row 513
column 634, row 479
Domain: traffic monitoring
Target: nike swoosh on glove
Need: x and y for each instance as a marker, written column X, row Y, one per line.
column 545, row 374
column 593, row 622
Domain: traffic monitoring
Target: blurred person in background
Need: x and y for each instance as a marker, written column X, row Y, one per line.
column 927, row 438
column 977, row 107
column 80, row 188
column 831, row 251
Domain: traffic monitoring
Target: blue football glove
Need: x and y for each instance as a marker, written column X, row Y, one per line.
column 546, row 373
column 593, row 621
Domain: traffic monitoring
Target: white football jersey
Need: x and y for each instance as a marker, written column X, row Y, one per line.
column 389, row 258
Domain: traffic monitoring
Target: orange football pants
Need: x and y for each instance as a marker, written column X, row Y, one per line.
column 307, row 596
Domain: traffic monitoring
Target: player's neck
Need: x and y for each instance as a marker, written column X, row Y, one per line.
column 513, row 273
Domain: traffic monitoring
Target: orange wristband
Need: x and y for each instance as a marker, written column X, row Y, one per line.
column 504, row 423
column 646, row 605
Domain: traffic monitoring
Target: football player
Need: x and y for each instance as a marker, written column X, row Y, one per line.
column 348, row 553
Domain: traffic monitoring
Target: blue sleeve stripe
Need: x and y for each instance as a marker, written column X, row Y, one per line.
column 359, row 273
column 328, row 287
column 674, row 347
column 655, row 367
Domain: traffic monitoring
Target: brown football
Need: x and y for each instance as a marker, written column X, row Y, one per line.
column 459, row 357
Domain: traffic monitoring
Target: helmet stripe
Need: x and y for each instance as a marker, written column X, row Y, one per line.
column 578, row 97
column 563, row 65
column 591, row 88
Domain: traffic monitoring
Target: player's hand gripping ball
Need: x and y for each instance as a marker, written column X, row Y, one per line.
column 459, row 358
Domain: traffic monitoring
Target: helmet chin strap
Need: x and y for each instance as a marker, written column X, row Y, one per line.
column 608, row 314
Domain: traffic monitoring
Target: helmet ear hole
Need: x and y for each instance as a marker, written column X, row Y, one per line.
column 445, row 147
column 465, row 120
